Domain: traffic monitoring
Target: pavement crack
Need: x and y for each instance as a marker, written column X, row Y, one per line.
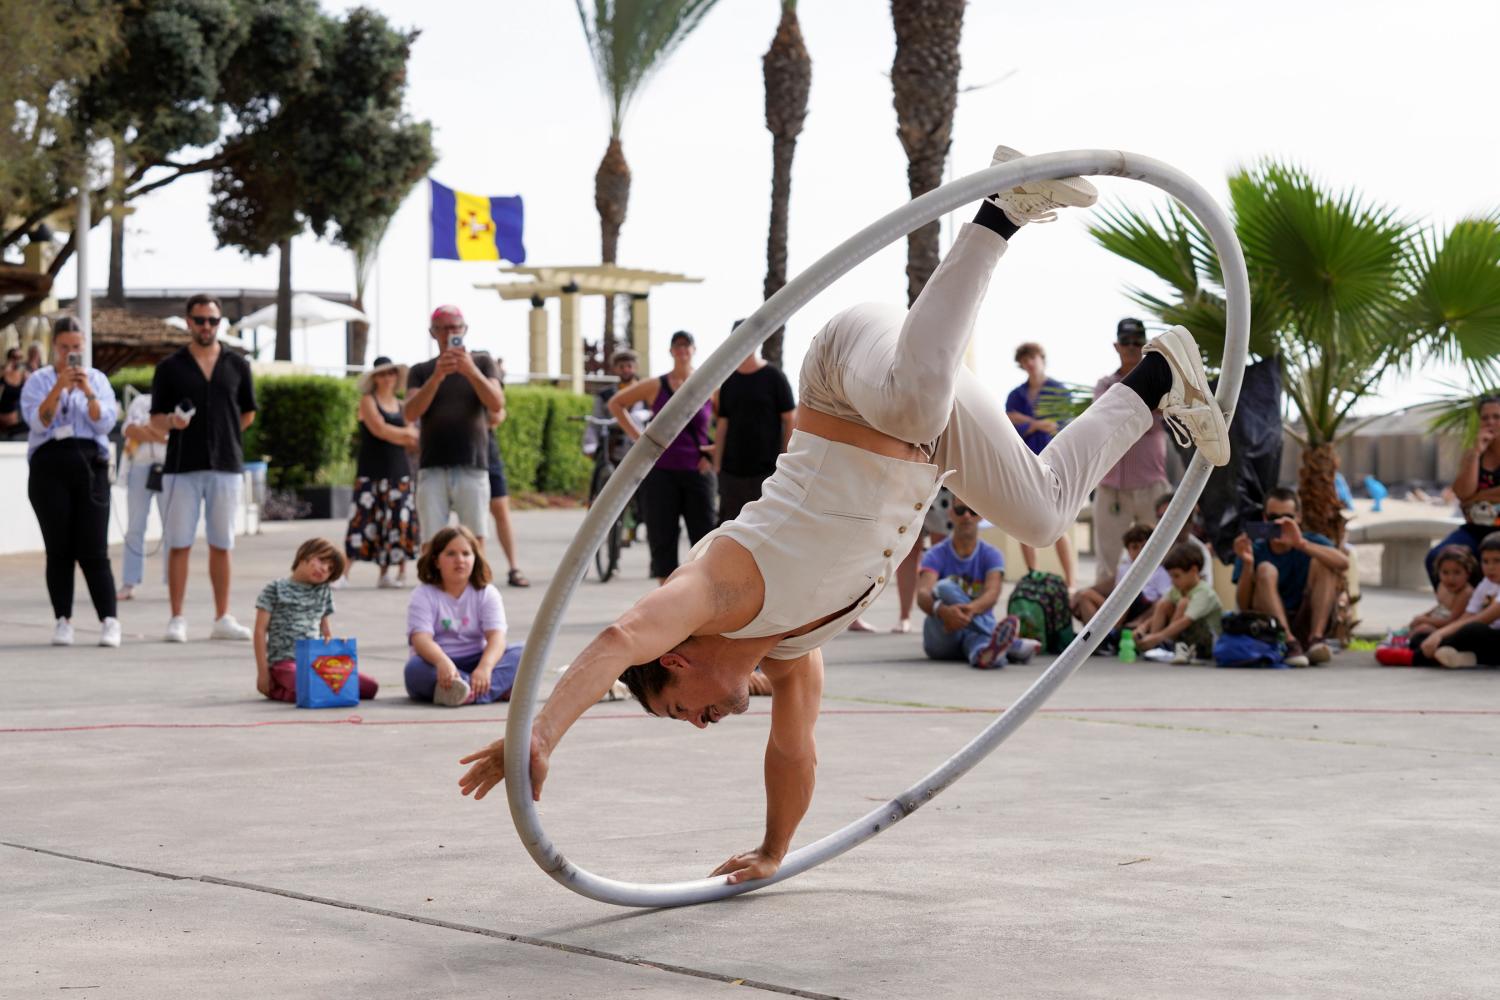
column 523, row 939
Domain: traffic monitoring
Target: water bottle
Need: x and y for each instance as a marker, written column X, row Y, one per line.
column 1127, row 647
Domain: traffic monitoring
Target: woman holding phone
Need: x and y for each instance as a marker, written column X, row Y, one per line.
column 70, row 409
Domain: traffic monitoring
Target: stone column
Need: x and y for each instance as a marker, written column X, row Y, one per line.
column 572, row 338
column 640, row 330
column 537, row 362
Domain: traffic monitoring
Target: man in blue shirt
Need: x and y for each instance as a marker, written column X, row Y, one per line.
column 957, row 586
column 1293, row 577
column 1020, row 407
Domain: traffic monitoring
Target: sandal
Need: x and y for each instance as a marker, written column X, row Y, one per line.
column 517, row 579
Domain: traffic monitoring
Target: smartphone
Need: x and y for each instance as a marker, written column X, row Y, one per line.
column 75, row 360
column 456, row 341
column 186, row 409
column 1263, row 531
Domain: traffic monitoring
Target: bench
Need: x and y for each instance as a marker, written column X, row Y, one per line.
column 1405, row 543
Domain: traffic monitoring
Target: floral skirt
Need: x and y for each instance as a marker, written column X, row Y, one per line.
column 383, row 525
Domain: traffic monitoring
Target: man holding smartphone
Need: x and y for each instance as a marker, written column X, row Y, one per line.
column 204, row 397
column 455, row 398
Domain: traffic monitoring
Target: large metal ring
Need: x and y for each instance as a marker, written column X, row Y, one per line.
column 686, row 401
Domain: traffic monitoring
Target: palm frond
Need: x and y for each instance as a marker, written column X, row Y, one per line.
column 1454, row 308
column 1162, row 245
column 631, row 39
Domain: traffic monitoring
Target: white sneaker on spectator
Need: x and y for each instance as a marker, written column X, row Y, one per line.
column 62, row 633
column 228, row 628
column 1451, row 657
column 176, row 629
column 388, row 583
column 125, row 593
column 1182, row 653
column 109, row 632
column 453, row 695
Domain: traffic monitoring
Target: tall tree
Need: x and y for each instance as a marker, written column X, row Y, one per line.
column 1344, row 290
column 924, row 80
column 629, row 40
column 335, row 155
column 788, row 73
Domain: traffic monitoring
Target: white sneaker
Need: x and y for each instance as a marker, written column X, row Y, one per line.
column 388, row 583
column 1189, row 408
column 176, row 629
column 1037, row 201
column 1182, row 653
column 1450, row 657
column 228, row 628
column 125, row 593
column 109, row 632
column 453, row 695
column 62, row 633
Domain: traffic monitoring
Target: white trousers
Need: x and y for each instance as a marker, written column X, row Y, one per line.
column 902, row 373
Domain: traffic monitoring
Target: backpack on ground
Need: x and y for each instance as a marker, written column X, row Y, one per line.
column 1251, row 639
column 1040, row 601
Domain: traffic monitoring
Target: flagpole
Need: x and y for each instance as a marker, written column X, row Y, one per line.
column 428, row 313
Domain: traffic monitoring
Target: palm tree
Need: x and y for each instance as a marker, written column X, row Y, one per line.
column 924, row 79
column 629, row 40
column 788, row 73
column 1344, row 290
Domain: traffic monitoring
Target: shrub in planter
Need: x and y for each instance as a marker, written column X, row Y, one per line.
column 304, row 425
column 139, row 376
column 565, row 468
column 522, row 436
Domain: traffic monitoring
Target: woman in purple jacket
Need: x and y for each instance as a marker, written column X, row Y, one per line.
column 681, row 484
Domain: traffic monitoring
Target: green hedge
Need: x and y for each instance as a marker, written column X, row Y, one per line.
column 304, row 428
column 139, row 376
column 541, row 447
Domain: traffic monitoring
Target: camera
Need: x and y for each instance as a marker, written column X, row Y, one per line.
column 75, row 360
column 456, row 340
column 186, row 409
column 1263, row 531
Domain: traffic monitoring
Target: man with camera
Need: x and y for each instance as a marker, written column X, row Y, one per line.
column 1291, row 575
column 455, row 396
column 204, row 397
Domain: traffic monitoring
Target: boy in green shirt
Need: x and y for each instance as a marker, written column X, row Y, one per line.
column 1190, row 614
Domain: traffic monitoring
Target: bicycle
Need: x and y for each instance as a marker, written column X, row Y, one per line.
column 607, row 556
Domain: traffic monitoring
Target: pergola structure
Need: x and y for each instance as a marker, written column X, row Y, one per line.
column 566, row 284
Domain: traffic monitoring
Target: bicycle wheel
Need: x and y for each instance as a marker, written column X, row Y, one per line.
column 607, row 555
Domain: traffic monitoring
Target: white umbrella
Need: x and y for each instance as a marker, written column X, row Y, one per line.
column 307, row 310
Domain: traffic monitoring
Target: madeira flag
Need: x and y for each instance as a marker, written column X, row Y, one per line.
column 473, row 227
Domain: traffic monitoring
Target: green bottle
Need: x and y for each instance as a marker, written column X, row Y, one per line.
column 1127, row 646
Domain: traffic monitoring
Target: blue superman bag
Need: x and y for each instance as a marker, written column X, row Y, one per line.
column 327, row 673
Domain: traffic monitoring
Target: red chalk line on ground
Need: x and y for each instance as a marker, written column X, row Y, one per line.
column 357, row 720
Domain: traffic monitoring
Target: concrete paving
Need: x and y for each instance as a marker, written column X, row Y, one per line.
column 1157, row 831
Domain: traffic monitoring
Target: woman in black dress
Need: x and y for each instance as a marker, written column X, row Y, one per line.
column 383, row 525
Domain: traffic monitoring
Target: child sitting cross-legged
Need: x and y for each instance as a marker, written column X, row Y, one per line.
column 1190, row 617
column 456, row 626
column 298, row 607
column 1455, row 567
column 1470, row 639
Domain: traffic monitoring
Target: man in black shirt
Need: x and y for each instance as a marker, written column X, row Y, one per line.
column 455, row 396
column 755, row 414
column 205, row 397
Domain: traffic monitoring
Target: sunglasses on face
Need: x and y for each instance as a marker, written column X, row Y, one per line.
column 1132, row 342
column 204, row 320
column 1281, row 517
column 959, row 510
column 451, row 328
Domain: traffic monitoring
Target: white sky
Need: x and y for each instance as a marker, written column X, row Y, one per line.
column 1371, row 94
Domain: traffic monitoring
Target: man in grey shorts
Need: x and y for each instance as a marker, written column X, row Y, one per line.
column 887, row 414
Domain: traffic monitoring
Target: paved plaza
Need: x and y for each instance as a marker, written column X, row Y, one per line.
column 1156, row 831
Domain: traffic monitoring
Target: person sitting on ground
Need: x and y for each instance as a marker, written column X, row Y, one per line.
column 1087, row 602
column 886, row 414
column 1471, row 638
column 1455, row 564
column 958, row 586
column 297, row 607
column 1189, row 618
column 1191, row 533
column 456, row 626
column 1294, row 578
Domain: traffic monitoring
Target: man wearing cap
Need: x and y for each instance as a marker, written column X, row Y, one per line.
column 1127, row 493
column 455, row 396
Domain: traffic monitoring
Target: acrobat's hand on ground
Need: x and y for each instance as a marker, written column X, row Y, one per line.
column 488, row 769
column 748, row 866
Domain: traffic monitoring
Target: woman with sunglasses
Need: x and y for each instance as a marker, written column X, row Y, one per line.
column 383, row 524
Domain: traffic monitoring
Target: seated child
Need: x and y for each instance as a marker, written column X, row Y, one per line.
column 1190, row 614
column 1469, row 639
column 456, row 626
column 1455, row 567
column 297, row 608
column 1087, row 602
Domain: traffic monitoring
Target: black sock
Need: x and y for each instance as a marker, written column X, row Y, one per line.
column 1150, row 380
column 993, row 219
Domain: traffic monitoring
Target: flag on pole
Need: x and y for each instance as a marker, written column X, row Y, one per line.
column 472, row 227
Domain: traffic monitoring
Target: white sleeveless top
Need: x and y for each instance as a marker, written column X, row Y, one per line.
column 832, row 523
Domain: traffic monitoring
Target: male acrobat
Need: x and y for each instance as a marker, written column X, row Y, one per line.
column 886, row 406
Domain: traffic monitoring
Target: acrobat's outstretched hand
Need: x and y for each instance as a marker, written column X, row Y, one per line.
column 488, row 769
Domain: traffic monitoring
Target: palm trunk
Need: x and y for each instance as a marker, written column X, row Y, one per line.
column 1320, row 502
column 116, row 292
column 284, row 302
column 924, row 80
column 611, row 199
column 788, row 75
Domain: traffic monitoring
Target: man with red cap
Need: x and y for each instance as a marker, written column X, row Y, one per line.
column 456, row 396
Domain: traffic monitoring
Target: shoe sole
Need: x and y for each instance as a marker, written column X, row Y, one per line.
column 1168, row 345
column 1075, row 192
column 992, row 656
column 441, row 695
column 1455, row 660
